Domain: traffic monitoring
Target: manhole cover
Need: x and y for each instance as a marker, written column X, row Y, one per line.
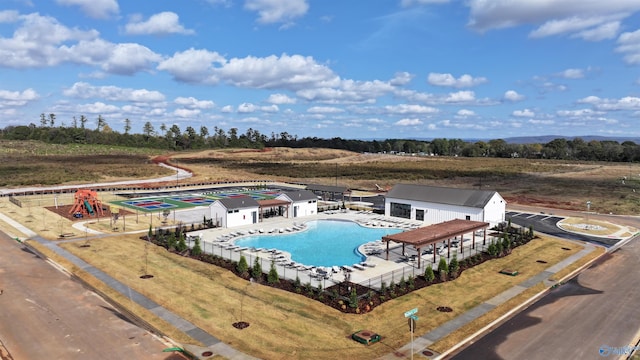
column 207, row 353
column 427, row 353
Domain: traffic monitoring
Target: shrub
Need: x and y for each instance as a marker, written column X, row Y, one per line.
column 296, row 283
column 182, row 245
column 443, row 269
column 196, row 250
column 454, row 267
column 242, row 267
column 256, row 271
column 272, row 277
column 428, row 274
column 353, row 298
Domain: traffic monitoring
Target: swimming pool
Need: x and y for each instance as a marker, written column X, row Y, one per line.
column 323, row 243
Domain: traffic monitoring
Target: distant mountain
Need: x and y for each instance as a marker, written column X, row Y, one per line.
column 548, row 138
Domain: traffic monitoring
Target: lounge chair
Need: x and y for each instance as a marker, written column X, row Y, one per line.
column 358, row 266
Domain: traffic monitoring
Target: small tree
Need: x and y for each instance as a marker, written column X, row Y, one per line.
column 454, row 267
column 506, row 243
column 499, row 248
column 272, row 277
column 150, row 233
column 443, row 269
column 492, row 249
column 243, row 266
column 353, row 298
column 171, row 241
column 196, row 250
column 429, row 276
column 182, row 245
column 256, row 271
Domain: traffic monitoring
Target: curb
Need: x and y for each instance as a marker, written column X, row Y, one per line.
column 510, row 313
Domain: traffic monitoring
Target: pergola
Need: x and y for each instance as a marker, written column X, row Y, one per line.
column 432, row 234
column 273, row 203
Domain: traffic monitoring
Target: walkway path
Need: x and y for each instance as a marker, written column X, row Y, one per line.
column 423, row 342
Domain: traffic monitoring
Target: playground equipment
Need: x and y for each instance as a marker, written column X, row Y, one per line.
column 86, row 203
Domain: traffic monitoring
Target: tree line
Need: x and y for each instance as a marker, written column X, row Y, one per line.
column 174, row 138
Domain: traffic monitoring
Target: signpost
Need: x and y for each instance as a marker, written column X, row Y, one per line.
column 412, row 317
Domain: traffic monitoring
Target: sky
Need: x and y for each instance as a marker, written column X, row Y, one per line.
column 357, row 69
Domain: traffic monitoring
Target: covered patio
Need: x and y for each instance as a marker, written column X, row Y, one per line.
column 273, row 208
column 433, row 234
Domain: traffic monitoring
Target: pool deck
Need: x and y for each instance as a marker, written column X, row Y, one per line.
column 371, row 272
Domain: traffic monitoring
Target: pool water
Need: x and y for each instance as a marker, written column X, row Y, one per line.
column 322, row 243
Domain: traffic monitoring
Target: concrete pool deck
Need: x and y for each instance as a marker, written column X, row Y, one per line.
column 220, row 241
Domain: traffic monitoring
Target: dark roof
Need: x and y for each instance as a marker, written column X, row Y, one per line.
column 441, row 195
column 240, row 202
column 437, row 232
column 301, row 195
column 327, row 188
column 272, row 203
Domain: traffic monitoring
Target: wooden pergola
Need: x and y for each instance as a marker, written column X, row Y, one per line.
column 273, row 203
column 433, row 234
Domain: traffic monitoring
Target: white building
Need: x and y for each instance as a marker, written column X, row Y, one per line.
column 237, row 211
column 302, row 203
column 434, row 205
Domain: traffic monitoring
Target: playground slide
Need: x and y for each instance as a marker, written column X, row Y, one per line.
column 89, row 208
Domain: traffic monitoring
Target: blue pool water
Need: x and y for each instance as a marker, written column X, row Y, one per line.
column 323, row 243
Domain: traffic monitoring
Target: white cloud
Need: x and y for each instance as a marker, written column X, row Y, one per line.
column 588, row 27
column 82, row 90
column 408, row 122
column 407, row 3
column 41, row 41
column 577, row 113
column 277, row 11
column 193, row 103
column 625, row 103
column 512, row 95
column 246, row 108
column 461, row 96
column 541, row 122
column 193, row 66
column 629, row 45
column 557, row 16
column 449, row 80
column 227, row 109
column 324, row 110
column 98, row 9
column 572, row 74
column 464, row 113
column 401, row 78
column 523, row 113
column 186, row 113
column 97, row 108
column 17, row 98
column 280, row 99
column 9, row 16
column 410, row 109
column 158, row 24
column 292, row 72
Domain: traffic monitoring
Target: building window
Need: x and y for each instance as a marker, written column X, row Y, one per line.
column 468, row 217
column 420, row 215
column 400, row 210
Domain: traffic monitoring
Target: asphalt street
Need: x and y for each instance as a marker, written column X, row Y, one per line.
column 593, row 316
column 46, row 315
column 547, row 223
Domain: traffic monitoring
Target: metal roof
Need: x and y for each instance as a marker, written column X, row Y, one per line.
column 240, row 202
column 301, row 195
column 442, row 195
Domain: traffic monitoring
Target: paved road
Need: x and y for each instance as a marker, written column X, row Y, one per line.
column 46, row 315
column 547, row 224
column 599, row 308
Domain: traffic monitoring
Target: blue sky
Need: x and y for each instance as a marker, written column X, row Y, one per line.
column 324, row 68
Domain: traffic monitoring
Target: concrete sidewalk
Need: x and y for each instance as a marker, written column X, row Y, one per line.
column 422, row 343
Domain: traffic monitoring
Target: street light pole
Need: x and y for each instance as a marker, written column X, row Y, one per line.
column 588, row 210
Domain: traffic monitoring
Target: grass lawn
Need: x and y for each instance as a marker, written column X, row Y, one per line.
column 285, row 325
